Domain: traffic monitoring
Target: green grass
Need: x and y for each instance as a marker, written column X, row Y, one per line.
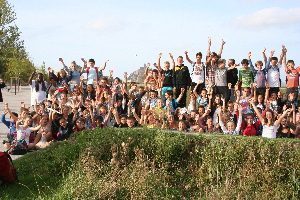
column 155, row 164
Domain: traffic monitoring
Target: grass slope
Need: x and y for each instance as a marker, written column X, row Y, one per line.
column 155, row 164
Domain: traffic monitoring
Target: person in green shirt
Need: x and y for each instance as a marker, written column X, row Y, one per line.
column 246, row 76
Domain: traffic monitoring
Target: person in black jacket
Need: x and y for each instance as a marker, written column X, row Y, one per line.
column 2, row 85
column 181, row 79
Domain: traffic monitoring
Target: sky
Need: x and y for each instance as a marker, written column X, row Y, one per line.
column 131, row 33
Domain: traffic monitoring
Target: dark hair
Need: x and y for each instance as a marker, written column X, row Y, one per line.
column 274, row 58
column 169, row 92
column 201, row 106
column 92, row 60
column 232, row 60
column 229, row 102
column 37, row 86
column 214, row 54
column 180, row 57
column 199, row 54
column 290, row 62
column 245, row 61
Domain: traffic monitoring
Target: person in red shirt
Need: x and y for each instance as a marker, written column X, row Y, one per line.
column 248, row 127
column 292, row 75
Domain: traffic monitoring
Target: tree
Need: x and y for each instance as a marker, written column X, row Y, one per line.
column 13, row 56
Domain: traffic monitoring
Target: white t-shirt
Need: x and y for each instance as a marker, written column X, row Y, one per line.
column 37, row 96
column 269, row 131
column 198, row 73
column 92, row 76
column 23, row 134
column 273, row 77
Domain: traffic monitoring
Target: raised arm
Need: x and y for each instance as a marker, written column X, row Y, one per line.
column 240, row 119
column 12, row 115
column 158, row 62
column 64, row 65
column 264, row 56
column 104, row 66
column 284, row 114
column 172, row 61
column 282, row 54
column 31, row 77
column 261, row 119
column 116, row 116
column 208, row 48
column 188, row 58
column 221, row 48
column 84, row 65
column 181, row 94
column 251, row 64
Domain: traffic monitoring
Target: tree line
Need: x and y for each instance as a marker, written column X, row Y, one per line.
column 14, row 60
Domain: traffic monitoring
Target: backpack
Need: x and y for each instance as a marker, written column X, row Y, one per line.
column 88, row 71
column 8, row 173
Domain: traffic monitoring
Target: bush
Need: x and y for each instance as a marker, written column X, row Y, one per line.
column 142, row 163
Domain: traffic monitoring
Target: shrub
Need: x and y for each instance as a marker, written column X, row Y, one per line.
column 142, row 163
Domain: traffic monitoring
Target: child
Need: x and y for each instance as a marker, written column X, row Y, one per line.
column 11, row 124
column 245, row 75
column 273, row 71
column 167, row 75
column 292, row 75
column 198, row 72
column 230, row 128
column 270, row 126
column 171, row 103
column 65, row 130
column 259, row 74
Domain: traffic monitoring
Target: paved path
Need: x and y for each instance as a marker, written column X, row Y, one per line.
column 14, row 102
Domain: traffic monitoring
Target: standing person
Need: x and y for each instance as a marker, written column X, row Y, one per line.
column 259, row 75
column 198, row 72
column 232, row 77
column 221, row 79
column 93, row 73
column 2, row 85
column 292, row 76
column 73, row 72
column 212, row 64
column 245, row 75
column 182, row 79
column 273, row 72
column 38, row 88
column 167, row 75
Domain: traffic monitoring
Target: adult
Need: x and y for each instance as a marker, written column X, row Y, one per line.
column 38, row 88
column 2, row 85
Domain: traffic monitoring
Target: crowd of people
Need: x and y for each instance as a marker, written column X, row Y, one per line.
column 210, row 96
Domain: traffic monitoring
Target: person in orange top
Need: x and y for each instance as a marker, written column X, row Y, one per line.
column 292, row 75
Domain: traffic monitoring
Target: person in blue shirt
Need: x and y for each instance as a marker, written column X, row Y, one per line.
column 10, row 124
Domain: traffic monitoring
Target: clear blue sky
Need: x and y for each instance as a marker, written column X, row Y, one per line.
column 130, row 33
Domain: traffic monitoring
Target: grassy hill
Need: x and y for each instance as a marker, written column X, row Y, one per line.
column 155, row 164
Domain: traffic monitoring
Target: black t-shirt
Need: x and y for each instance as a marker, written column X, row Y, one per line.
column 168, row 80
column 232, row 76
column 120, row 125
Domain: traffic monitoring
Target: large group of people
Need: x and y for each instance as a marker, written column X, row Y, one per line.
column 210, row 96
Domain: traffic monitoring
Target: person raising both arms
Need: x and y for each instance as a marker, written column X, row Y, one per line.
column 167, row 75
column 93, row 73
column 198, row 72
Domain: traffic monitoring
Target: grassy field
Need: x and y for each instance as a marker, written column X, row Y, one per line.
column 155, row 164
